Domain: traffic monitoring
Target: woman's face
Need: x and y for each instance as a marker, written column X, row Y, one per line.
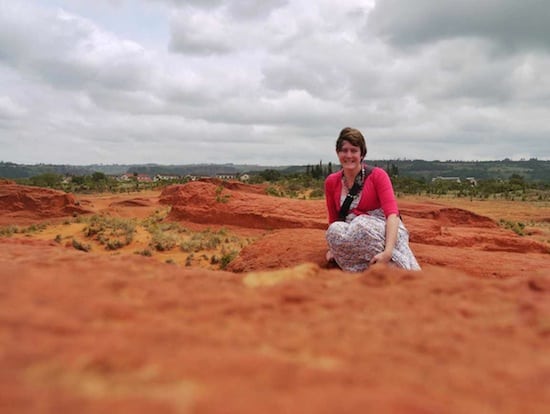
column 349, row 156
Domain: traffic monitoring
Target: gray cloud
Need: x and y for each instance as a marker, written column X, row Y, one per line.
column 269, row 82
column 510, row 24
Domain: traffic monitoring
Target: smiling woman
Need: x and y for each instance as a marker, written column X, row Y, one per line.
column 365, row 227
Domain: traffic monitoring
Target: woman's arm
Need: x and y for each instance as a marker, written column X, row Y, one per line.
column 330, row 188
column 392, row 226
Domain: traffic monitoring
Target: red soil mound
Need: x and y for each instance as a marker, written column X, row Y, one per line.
column 83, row 333
column 282, row 248
column 19, row 203
column 206, row 202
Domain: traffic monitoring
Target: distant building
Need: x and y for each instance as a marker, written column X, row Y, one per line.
column 451, row 179
column 472, row 181
column 144, row 178
column 244, row 178
column 225, row 176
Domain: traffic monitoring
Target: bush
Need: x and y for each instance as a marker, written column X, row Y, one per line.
column 8, row 231
column 227, row 258
column 162, row 241
column 516, row 226
column 221, row 198
column 81, row 246
column 145, row 252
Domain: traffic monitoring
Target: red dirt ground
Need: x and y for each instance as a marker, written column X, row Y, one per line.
column 279, row 332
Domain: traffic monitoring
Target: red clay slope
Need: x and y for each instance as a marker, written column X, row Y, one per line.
column 20, row 203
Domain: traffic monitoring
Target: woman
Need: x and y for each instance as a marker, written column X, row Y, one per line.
column 370, row 231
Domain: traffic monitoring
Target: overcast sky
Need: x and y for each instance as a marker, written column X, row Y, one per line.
column 272, row 82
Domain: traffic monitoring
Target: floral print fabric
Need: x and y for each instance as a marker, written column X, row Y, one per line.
column 355, row 241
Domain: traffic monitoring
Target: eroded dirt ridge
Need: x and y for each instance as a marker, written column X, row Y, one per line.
column 19, row 202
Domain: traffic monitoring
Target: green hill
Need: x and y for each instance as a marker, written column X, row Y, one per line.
column 532, row 170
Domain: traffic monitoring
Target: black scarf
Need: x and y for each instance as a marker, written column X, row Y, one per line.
column 354, row 190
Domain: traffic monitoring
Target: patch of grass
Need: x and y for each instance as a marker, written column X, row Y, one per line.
column 8, row 231
column 189, row 246
column 207, row 240
column 516, row 226
column 161, row 241
column 34, row 228
column 114, row 233
column 164, row 236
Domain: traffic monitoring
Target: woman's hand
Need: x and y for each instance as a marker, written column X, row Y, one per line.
column 392, row 227
column 329, row 256
column 384, row 257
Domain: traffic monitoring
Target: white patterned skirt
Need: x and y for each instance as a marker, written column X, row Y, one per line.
column 353, row 244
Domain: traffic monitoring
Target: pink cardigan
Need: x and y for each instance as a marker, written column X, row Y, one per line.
column 377, row 193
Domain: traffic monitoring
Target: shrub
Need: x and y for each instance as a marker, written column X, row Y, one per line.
column 145, row 252
column 273, row 191
column 8, row 231
column 81, row 246
column 227, row 258
column 516, row 226
column 221, row 198
column 162, row 241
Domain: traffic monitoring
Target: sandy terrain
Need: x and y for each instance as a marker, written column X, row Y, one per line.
column 276, row 331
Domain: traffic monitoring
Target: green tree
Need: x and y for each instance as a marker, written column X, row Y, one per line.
column 51, row 180
column 98, row 176
column 270, row 175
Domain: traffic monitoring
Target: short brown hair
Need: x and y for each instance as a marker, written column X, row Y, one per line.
column 354, row 137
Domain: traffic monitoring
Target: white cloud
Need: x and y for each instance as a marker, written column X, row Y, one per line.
column 271, row 82
column 10, row 109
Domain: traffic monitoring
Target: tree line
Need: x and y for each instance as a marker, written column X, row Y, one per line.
column 311, row 181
